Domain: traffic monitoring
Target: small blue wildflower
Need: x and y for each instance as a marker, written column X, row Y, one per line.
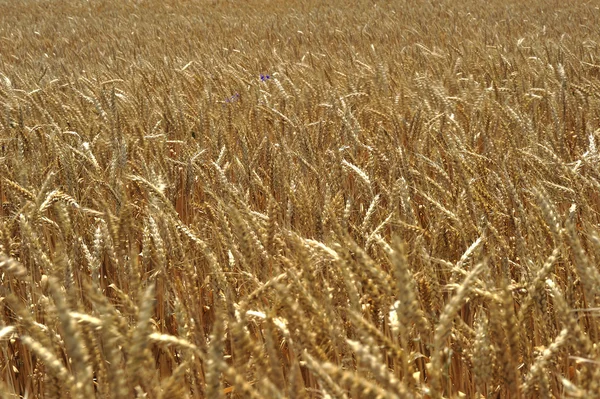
column 264, row 77
column 233, row 98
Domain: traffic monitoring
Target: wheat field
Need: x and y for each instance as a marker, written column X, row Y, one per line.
column 299, row 199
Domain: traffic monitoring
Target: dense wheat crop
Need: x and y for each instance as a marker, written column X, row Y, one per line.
column 294, row 199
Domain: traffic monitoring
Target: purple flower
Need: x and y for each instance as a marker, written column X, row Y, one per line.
column 264, row 77
column 233, row 98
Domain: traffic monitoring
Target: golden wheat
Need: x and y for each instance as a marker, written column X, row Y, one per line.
column 209, row 199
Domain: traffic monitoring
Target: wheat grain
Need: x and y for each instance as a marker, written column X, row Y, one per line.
column 376, row 218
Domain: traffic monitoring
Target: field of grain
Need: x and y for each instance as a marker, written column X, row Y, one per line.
column 299, row 199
